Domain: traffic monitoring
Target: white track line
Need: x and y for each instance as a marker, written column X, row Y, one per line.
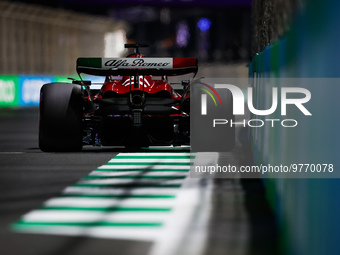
column 87, row 216
column 146, row 167
column 130, row 181
column 149, row 160
column 137, row 173
column 11, row 152
column 155, row 154
column 108, row 202
column 120, row 191
column 120, row 233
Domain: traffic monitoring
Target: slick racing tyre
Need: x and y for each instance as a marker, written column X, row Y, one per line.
column 60, row 119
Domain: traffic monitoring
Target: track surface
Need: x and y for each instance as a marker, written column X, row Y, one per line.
column 240, row 221
column 29, row 177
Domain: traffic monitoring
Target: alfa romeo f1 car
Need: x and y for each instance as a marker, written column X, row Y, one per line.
column 136, row 106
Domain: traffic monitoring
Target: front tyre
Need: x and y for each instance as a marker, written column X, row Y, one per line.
column 60, row 119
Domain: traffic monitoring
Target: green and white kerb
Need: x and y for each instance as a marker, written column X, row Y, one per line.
column 128, row 198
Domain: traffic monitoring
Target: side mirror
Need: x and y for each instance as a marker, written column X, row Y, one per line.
column 86, row 83
column 185, row 83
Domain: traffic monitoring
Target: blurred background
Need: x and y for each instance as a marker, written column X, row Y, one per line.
column 46, row 37
column 41, row 40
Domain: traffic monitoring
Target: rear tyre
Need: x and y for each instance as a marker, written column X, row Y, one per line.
column 60, row 119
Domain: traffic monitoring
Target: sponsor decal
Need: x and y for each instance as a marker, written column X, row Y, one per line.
column 8, row 91
column 30, row 89
column 137, row 63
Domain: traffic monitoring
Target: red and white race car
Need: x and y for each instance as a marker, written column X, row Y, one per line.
column 136, row 106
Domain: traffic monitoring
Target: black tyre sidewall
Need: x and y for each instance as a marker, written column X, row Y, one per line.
column 60, row 119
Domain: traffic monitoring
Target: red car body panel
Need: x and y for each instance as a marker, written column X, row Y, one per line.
column 125, row 84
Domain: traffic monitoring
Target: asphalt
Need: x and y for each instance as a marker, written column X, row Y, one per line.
column 240, row 220
column 29, row 177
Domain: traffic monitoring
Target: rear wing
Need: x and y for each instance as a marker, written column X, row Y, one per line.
column 137, row 66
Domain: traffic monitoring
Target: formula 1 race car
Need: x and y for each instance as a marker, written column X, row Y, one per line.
column 136, row 106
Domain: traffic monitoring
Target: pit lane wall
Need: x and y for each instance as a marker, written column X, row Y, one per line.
column 24, row 90
column 307, row 210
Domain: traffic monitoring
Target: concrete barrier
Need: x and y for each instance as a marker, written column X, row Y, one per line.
column 307, row 210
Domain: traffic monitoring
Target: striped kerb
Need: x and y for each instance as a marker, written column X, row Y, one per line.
column 130, row 197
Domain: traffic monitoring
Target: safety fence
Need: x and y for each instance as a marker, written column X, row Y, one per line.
column 307, row 210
